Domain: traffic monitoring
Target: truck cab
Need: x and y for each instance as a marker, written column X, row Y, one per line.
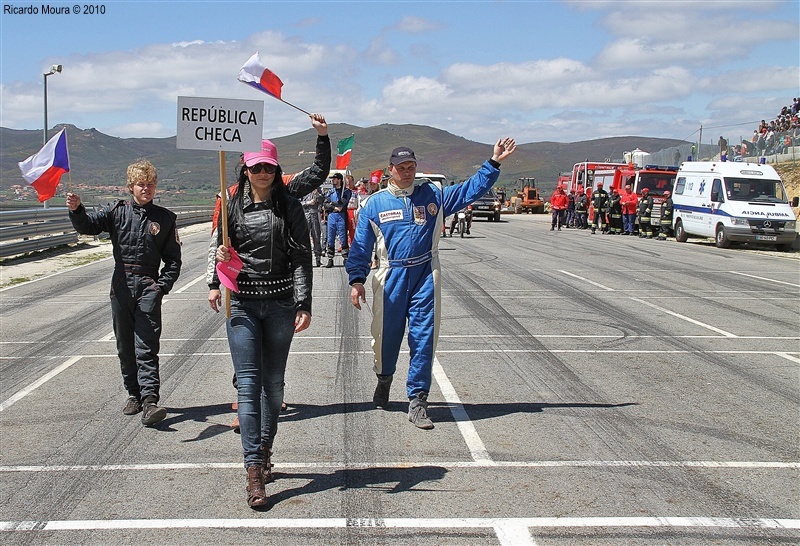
column 527, row 199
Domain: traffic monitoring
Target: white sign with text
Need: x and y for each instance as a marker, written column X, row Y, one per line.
column 220, row 124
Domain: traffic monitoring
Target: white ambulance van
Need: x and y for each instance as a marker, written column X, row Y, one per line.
column 732, row 202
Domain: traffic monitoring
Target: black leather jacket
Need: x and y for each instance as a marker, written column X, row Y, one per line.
column 298, row 185
column 142, row 237
column 275, row 253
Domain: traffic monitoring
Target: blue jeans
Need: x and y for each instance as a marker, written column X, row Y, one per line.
column 628, row 222
column 260, row 335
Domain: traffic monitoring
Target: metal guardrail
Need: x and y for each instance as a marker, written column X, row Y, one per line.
column 29, row 230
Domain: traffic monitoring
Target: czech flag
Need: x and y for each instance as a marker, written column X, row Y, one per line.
column 343, row 152
column 255, row 74
column 43, row 170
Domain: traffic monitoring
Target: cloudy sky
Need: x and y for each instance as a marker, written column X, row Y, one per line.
column 536, row 70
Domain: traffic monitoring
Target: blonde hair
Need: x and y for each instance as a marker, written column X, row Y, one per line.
column 141, row 171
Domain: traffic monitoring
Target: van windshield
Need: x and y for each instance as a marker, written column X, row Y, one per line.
column 657, row 183
column 750, row 189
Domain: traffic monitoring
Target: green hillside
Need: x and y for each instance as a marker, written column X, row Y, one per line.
column 99, row 161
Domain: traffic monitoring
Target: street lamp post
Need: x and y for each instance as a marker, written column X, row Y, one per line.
column 53, row 69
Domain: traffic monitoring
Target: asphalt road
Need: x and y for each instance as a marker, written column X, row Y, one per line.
column 589, row 390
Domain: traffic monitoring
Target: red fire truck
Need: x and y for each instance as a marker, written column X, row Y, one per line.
column 655, row 178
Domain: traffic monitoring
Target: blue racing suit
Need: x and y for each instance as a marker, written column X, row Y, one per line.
column 337, row 221
column 404, row 225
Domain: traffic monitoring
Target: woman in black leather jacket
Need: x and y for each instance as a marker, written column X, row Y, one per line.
column 268, row 230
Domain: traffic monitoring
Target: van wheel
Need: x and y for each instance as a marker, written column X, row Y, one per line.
column 722, row 239
column 680, row 234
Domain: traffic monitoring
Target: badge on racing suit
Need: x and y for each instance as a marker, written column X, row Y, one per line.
column 419, row 216
column 154, row 228
column 432, row 208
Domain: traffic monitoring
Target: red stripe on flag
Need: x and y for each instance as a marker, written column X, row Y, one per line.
column 342, row 161
column 271, row 83
column 47, row 184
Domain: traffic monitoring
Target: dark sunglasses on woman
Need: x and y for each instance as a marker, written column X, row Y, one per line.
column 266, row 167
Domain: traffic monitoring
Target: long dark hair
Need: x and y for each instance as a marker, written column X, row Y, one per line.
column 279, row 197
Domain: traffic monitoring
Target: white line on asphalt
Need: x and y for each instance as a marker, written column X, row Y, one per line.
column 513, row 534
column 19, row 395
column 784, row 354
column 54, row 274
column 476, row 447
column 598, row 285
column 787, row 356
column 333, row 465
column 764, row 278
column 182, row 289
column 403, row 523
column 687, row 319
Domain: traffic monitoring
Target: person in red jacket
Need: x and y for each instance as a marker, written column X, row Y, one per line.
column 558, row 203
column 629, row 201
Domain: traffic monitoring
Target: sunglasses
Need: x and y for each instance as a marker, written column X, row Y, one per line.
column 266, row 167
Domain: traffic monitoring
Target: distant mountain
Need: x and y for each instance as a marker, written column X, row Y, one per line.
column 100, row 160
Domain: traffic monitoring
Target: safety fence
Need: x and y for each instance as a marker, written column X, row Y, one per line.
column 29, row 230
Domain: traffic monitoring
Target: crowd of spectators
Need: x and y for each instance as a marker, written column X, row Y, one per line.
column 769, row 138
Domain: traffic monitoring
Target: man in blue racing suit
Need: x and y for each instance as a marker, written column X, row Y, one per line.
column 404, row 222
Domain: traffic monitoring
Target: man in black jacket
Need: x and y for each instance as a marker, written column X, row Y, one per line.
column 600, row 203
column 645, row 209
column 666, row 216
column 143, row 235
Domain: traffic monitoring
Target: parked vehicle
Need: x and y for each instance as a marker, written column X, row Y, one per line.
column 421, row 178
column 733, row 202
column 528, row 199
column 487, row 206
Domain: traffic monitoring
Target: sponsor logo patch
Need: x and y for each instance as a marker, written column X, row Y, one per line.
column 432, row 209
column 154, row 228
column 390, row 215
column 419, row 215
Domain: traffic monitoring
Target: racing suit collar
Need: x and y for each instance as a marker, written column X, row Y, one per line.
column 400, row 192
column 147, row 206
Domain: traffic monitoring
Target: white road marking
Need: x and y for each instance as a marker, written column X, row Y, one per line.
column 19, row 395
column 403, row 523
column 333, row 465
column 788, row 356
column 476, row 447
column 687, row 319
column 764, row 279
column 182, row 289
column 513, row 534
column 598, row 285
column 55, row 274
column 783, row 354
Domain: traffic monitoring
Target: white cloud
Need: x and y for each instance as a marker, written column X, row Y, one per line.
column 416, row 25
column 663, row 72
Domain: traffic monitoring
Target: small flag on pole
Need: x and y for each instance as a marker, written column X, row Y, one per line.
column 343, row 152
column 257, row 75
column 43, row 170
